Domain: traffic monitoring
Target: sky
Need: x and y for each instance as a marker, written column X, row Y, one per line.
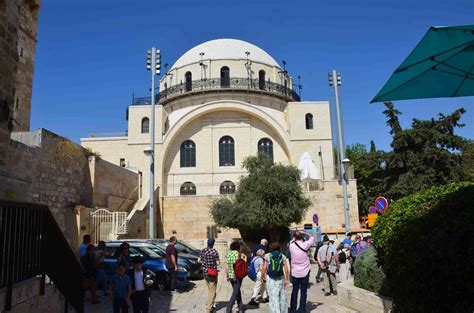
column 91, row 55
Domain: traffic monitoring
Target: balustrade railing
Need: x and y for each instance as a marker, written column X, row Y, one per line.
column 221, row 84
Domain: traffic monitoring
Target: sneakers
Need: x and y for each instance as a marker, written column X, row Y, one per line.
column 327, row 294
column 253, row 303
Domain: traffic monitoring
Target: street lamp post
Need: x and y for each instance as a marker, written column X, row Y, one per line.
column 335, row 81
column 153, row 64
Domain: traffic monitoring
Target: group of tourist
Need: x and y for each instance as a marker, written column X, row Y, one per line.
column 273, row 271
column 130, row 283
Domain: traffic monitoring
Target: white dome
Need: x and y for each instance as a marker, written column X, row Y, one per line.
column 225, row 49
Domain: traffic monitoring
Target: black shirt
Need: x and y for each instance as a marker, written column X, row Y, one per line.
column 171, row 250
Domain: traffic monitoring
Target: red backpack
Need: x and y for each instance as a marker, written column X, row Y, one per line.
column 240, row 268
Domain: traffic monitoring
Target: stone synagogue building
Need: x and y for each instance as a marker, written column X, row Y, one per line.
column 220, row 102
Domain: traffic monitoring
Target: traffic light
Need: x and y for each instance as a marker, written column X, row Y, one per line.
column 330, row 80
column 158, row 62
column 149, row 61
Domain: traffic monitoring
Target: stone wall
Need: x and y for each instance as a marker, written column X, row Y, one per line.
column 112, row 185
column 26, row 298
column 328, row 203
column 18, row 28
column 189, row 218
column 48, row 169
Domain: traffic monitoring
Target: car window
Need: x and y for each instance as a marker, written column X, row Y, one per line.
column 134, row 252
column 110, row 252
column 158, row 251
column 149, row 251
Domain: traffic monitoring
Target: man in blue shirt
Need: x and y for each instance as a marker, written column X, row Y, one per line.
column 347, row 240
column 86, row 240
column 121, row 289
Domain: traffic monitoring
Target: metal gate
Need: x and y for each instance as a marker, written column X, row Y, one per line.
column 106, row 225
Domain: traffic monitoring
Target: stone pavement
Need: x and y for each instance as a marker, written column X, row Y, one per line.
column 194, row 297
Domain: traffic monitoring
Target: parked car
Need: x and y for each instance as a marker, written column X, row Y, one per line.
column 152, row 261
column 181, row 247
column 195, row 267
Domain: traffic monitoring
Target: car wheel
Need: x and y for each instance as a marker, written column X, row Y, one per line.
column 163, row 281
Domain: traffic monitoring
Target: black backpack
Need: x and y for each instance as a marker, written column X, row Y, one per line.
column 342, row 257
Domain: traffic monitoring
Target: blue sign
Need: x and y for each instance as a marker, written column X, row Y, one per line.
column 372, row 210
column 381, row 204
column 315, row 218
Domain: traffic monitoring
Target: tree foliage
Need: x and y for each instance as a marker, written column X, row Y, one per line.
column 423, row 246
column 429, row 153
column 269, row 197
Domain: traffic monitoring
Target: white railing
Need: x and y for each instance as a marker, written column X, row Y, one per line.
column 106, row 225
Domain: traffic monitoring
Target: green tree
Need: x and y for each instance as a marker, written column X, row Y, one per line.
column 270, row 197
column 427, row 154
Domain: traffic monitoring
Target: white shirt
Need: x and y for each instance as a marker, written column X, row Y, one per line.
column 139, row 285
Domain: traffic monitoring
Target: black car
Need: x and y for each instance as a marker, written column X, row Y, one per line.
column 195, row 267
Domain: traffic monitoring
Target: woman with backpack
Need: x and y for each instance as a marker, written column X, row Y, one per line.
column 276, row 274
column 236, row 270
column 255, row 273
column 344, row 264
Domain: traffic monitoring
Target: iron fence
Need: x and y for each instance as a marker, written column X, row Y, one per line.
column 32, row 244
column 220, row 84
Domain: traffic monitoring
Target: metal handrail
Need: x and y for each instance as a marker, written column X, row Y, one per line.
column 33, row 244
column 212, row 84
column 111, row 134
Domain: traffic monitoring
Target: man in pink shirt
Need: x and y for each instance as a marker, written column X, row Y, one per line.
column 300, row 268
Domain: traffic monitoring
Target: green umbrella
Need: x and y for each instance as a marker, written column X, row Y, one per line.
column 441, row 65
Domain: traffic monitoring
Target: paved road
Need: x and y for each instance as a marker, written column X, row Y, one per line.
column 194, row 297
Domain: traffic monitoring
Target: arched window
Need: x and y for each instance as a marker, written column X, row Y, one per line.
column 265, row 145
column 188, row 77
column 261, row 79
column 187, row 189
column 227, row 188
column 226, row 151
column 145, row 125
column 309, row 121
column 225, row 77
column 188, row 154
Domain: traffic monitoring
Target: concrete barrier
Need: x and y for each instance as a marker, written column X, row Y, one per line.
column 361, row 300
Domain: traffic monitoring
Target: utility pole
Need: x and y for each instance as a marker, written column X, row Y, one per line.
column 153, row 64
column 335, row 81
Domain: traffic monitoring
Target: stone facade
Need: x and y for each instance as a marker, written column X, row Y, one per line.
column 18, row 28
column 26, row 298
column 190, row 110
column 48, row 169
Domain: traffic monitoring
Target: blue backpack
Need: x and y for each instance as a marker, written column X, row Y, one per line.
column 252, row 273
column 275, row 266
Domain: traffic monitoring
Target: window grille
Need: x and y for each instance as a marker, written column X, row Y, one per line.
column 227, row 188
column 188, row 189
column 226, row 151
column 188, row 154
column 265, row 145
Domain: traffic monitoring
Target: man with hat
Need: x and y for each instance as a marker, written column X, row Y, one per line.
column 327, row 263
column 141, row 284
column 210, row 261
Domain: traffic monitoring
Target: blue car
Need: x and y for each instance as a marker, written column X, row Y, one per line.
column 152, row 261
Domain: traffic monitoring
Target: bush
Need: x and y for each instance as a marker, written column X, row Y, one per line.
column 425, row 247
column 368, row 274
